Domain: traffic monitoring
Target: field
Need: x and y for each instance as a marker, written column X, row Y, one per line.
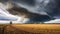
column 30, row 29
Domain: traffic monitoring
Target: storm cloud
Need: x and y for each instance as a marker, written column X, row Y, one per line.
column 48, row 7
column 43, row 7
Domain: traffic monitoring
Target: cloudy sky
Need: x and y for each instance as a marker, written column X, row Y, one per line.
column 43, row 7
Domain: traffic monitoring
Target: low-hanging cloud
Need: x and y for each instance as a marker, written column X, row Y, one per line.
column 46, row 7
column 43, row 7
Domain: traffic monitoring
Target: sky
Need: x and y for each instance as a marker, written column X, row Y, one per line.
column 43, row 7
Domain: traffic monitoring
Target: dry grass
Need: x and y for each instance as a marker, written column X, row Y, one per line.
column 33, row 29
column 38, row 27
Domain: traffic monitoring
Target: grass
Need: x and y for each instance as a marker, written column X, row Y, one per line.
column 32, row 28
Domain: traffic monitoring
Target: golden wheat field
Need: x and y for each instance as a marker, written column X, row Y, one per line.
column 30, row 29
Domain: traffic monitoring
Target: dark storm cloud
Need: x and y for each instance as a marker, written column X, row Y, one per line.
column 3, row 0
column 28, row 2
column 51, row 7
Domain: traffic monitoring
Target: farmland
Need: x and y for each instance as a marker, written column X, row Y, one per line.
column 30, row 29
